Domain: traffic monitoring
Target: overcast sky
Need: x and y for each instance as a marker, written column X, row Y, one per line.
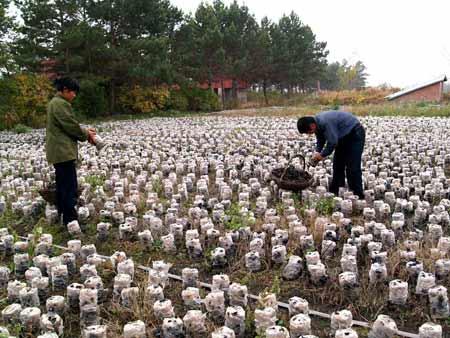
column 402, row 42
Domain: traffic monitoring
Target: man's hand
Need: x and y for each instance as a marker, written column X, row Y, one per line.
column 91, row 135
column 317, row 157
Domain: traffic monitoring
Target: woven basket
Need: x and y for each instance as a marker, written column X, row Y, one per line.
column 302, row 182
column 48, row 193
column 447, row 167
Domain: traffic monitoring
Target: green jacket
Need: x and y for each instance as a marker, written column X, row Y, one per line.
column 62, row 132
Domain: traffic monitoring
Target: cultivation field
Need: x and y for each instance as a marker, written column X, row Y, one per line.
column 182, row 232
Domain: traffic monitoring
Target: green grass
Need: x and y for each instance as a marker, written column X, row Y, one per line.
column 407, row 109
column 325, row 206
column 236, row 220
column 382, row 109
column 21, row 129
column 95, row 181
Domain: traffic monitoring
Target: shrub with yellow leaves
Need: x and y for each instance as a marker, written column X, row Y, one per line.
column 139, row 99
column 26, row 101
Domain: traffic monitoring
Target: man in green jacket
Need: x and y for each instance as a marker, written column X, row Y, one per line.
column 62, row 134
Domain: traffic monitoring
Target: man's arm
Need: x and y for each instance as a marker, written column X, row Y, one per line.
column 320, row 141
column 63, row 114
column 331, row 137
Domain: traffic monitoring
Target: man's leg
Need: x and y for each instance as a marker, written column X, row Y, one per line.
column 59, row 180
column 355, row 148
column 67, row 187
column 72, row 198
column 338, row 170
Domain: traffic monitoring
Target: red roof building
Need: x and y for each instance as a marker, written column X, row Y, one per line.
column 430, row 91
column 48, row 67
column 224, row 89
column 225, row 84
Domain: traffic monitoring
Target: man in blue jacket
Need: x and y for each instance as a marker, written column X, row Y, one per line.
column 342, row 133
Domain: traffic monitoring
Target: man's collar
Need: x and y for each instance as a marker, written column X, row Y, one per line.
column 62, row 97
column 318, row 127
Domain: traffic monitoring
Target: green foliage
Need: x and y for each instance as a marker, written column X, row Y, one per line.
column 279, row 208
column 280, row 322
column 25, row 100
column 123, row 53
column 140, row 99
column 262, row 60
column 177, row 100
column 21, row 129
column 344, row 76
column 325, row 206
column 201, row 99
column 121, row 42
column 6, row 26
column 235, row 221
column 245, row 280
column 422, row 104
column 37, row 233
column 297, row 56
column 95, row 181
column 15, row 329
column 8, row 89
column 276, row 286
column 157, row 245
column 335, row 105
column 198, row 47
column 157, row 187
column 91, row 100
column 225, row 41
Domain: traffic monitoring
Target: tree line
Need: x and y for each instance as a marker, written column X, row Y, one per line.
column 112, row 46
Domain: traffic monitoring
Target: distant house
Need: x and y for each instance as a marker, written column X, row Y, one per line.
column 224, row 89
column 48, row 68
column 430, row 91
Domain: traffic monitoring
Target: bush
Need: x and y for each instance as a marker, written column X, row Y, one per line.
column 24, row 100
column 91, row 101
column 274, row 98
column 177, row 100
column 351, row 97
column 138, row 99
column 21, row 129
column 201, row 99
column 8, row 90
column 332, row 99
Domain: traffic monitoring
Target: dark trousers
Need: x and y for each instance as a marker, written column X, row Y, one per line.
column 347, row 161
column 66, row 190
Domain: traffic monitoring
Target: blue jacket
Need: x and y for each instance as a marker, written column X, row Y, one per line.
column 331, row 127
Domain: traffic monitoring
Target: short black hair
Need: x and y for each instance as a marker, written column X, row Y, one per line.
column 68, row 83
column 303, row 124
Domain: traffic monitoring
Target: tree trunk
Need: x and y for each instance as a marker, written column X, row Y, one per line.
column 66, row 57
column 266, row 100
column 112, row 96
column 90, row 61
column 112, row 83
column 223, row 94
column 234, row 92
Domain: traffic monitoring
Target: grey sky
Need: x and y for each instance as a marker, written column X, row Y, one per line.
column 402, row 42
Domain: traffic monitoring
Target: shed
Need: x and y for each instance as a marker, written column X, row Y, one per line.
column 430, row 91
column 223, row 88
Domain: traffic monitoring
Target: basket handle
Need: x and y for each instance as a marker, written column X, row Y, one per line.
column 295, row 156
